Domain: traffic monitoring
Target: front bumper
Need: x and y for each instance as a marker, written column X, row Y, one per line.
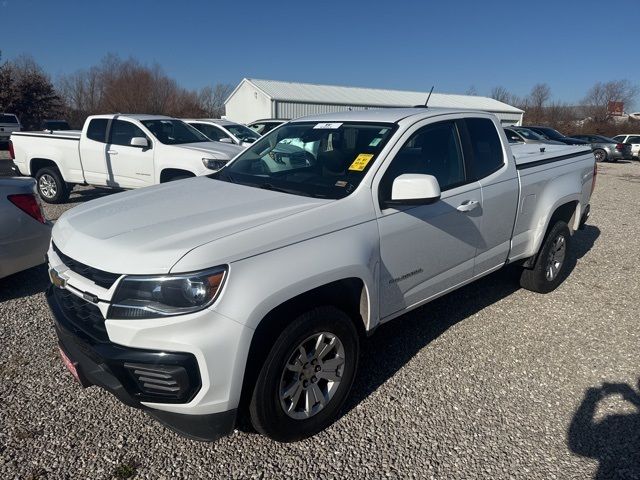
column 138, row 376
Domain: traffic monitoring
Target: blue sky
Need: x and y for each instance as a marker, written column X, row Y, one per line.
column 401, row 45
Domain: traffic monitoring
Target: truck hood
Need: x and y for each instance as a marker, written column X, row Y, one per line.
column 147, row 231
column 219, row 150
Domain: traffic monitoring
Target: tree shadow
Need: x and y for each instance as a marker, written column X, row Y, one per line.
column 397, row 342
column 615, row 440
column 25, row 283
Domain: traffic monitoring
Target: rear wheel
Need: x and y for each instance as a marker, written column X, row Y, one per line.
column 307, row 375
column 601, row 155
column 551, row 265
column 51, row 187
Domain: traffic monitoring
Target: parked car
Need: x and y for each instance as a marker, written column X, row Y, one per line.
column 524, row 135
column 552, row 134
column 255, row 285
column 224, row 131
column 120, row 151
column 55, row 125
column 9, row 123
column 24, row 230
column 607, row 149
column 264, row 126
column 633, row 139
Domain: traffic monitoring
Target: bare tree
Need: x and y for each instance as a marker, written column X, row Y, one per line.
column 596, row 101
column 471, row 91
column 126, row 86
column 501, row 94
column 211, row 99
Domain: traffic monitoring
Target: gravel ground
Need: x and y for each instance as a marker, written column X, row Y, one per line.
column 490, row 381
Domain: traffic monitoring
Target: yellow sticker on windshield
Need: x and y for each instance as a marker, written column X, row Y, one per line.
column 361, row 162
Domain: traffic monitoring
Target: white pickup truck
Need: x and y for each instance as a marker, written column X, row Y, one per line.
column 120, row 151
column 249, row 291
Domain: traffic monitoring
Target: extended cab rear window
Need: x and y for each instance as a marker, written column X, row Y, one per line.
column 8, row 119
column 97, row 130
column 486, row 147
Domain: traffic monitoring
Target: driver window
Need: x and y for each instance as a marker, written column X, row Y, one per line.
column 432, row 150
column 122, row 132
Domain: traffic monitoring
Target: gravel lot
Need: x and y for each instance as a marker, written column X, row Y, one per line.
column 490, row 381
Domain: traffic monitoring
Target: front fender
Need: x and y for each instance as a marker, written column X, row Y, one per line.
column 259, row 284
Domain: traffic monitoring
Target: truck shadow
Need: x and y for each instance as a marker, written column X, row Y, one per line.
column 613, row 440
column 24, row 284
column 80, row 196
column 395, row 343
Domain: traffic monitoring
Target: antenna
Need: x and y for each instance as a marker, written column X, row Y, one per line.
column 430, row 91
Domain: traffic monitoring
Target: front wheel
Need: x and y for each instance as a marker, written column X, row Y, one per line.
column 51, row 186
column 551, row 265
column 307, row 375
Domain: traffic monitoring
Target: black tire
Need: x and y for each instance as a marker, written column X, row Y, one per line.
column 51, row 187
column 539, row 279
column 266, row 409
column 601, row 155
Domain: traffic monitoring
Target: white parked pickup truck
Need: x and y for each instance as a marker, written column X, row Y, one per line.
column 120, row 151
column 249, row 291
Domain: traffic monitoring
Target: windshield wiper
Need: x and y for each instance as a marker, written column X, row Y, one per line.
column 273, row 188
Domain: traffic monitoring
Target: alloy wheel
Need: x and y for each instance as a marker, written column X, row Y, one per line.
column 312, row 375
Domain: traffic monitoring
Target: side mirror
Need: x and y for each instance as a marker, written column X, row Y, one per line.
column 140, row 142
column 226, row 140
column 414, row 189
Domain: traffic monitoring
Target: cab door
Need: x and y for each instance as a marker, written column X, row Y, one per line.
column 427, row 249
column 128, row 166
column 93, row 152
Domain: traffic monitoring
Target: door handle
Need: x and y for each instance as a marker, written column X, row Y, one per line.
column 468, row 205
column 112, row 152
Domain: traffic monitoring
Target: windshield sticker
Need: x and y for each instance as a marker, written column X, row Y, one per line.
column 341, row 183
column 375, row 142
column 361, row 162
column 330, row 126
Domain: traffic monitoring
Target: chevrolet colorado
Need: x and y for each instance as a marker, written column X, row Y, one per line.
column 249, row 291
column 120, row 151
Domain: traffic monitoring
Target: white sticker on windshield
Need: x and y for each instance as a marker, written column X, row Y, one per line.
column 375, row 142
column 331, row 126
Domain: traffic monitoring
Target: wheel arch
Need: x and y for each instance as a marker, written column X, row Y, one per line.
column 349, row 294
column 37, row 163
column 168, row 173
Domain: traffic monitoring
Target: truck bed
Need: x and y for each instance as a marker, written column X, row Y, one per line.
column 66, row 134
column 541, row 191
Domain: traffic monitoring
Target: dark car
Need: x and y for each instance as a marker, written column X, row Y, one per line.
column 524, row 135
column 52, row 125
column 264, row 126
column 607, row 149
column 551, row 134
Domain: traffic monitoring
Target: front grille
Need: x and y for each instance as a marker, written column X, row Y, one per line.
column 84, row 316
column 99, row 277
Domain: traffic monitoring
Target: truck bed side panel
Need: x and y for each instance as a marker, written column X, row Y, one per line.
column 62, row 150
column 545, row 187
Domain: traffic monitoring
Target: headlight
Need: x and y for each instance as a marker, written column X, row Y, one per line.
column 139, row 297
column 213, row 164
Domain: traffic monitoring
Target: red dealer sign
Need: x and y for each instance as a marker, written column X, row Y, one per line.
column 615, row 108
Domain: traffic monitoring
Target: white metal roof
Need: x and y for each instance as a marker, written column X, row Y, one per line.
column 312, row 93
column 387, row 115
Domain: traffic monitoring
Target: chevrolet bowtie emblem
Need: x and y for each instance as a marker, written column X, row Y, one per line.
column 57, row 279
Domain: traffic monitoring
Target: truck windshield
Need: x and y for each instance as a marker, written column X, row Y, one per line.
column 243, row 133
column 321, row 160
column 174, row 132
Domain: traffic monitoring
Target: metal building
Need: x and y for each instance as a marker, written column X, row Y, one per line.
column 255, row 99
